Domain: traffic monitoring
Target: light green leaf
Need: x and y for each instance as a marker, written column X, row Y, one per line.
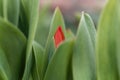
column 70, row 35
column 31, row 10
column 11, row 10
column 51, row 49
column 91, row 28
column 43, row 25
column 58, row 66
column 83, row 63
column 12, row 43
column 39, row 55
column 57, row 21
column 106, row 47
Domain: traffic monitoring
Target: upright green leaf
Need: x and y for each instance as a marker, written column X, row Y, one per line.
column 10, row 10
column 39, row 55
column 83, row 63
column 1, row 8
column 43, row 25
column 5, row 72
column 31, row 8
column 12, row 43
column 106, row 47
column 58, row 66
column 91, row 28
column 30, row 78
column 57, row 21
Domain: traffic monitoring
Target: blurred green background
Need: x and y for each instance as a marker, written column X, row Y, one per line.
column 71, row 10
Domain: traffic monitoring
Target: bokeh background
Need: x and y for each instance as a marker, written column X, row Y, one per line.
column 70, row 7
column 71, row 10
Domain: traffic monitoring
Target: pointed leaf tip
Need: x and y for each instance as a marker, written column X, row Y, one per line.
column 57, row 8
column 59, row 36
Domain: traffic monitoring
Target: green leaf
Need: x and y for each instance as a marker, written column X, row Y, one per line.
column 51, row 49
column 58, row 66
column 5, row 72
column 43, row 26
column 107, row 42
column 12, row 43
column 31, row 8
column 83, row 63
column 1, row 8
column 39, row 55
column 42, row 33
column 30, row 78
column 11, row 10
column 29, row 16
column 57, row 21
column 91, row 28
column 69, row 34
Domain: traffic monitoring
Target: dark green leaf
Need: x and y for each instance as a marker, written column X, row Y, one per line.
column 1, row 8
column 13, row 44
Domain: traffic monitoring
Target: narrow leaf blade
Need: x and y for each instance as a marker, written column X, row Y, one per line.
column 39, row 54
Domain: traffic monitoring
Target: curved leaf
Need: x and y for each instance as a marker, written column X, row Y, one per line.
column 13, row 44
column 83, row 63
column 39, row 55
column 106, row 48
column 5, row 72
column 58, row 66
column 91, row 28
column 57, row 21
column 11, row 10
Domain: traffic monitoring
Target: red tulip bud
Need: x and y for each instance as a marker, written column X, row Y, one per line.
column 59, row 36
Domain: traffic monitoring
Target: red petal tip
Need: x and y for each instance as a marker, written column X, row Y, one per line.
column 59, row 36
